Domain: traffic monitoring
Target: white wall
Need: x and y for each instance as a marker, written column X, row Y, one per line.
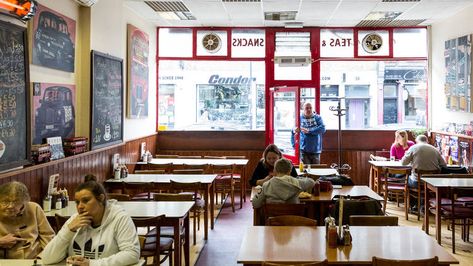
column 459, row 25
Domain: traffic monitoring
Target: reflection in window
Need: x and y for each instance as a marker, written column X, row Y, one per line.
column 211, row 95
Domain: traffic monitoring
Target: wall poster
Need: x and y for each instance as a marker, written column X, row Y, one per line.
column 107, row 101
column 54, row 38
column 137, row 72
column 54, row 111
column 15, row 116
column 458, row 74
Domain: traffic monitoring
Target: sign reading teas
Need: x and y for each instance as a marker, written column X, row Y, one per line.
column 336, row 43
column 248, row 43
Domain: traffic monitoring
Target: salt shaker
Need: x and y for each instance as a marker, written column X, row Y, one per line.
column 47, row 203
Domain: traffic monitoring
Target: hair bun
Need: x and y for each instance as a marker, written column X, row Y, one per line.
column 90, row 177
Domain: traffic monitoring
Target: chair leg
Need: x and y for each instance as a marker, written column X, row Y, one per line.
column 407, row 203
column 194, row 238
column 453, row 236
column 418, row 204
column 385, row 200
column 232, row 194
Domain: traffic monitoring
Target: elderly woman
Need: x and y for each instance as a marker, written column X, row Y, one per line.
column 24, row 229
column 264, row 170
column 401, row 145
column 101, row 233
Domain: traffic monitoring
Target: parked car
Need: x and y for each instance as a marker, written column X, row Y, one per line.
column 56, row 115
column 53, row 42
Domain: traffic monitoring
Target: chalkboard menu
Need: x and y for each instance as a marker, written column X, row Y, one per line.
column 107, row 100
column 14, row 97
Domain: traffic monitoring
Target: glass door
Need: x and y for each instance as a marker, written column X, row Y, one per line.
column 284, row 117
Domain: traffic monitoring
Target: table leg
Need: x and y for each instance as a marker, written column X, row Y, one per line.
column 177, row 241
column 438, row 225
column 426, row 208
column 206, row 211
column 186, row 239
column 212, row 205
column 371, row 177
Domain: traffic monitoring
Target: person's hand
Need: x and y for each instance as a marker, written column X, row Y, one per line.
column 297, row 130
column 81, row 220
column 304, row 130
column 77, row 260
column 9, row 240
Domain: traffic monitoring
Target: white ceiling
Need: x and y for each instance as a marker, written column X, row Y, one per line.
column 319, row 13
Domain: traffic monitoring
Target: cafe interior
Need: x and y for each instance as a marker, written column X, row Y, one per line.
column 182, row 97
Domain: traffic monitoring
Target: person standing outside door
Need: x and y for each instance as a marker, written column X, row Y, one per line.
column 311, row 130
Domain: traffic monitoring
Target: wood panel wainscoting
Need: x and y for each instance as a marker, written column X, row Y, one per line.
column 73, row 169
column 357, row 147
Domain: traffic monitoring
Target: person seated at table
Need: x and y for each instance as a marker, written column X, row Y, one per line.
column 24, row 229
column 282, row 188
column 401, row 145
column 101, row 233
column 264, row 170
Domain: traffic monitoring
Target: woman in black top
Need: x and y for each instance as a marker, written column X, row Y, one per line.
column 264, row 169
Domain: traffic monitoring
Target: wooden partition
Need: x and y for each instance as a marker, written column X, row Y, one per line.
column 72, row 169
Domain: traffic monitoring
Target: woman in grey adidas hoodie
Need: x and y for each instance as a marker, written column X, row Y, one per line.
column 101, row 233
column 282, row 188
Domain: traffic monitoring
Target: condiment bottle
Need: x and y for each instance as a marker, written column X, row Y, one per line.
column 301, row 167
column 58, row 204
column 332, row 236
column 328, row 221
column 47, row 203
column 117, row 173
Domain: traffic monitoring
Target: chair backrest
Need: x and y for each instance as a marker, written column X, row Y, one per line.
column 387, row 262
column 357, row 206
column 224, row 169
column 373, row 220
column 321, row 165
column 189, row 187
column 190, row 157
column 131, row 188
column 290, row 220
column 390, row 171
column 60, row 221
column 278, row 209
column 151, row 172
column 152, row 240
column 235, row 156
column 118, row 196
column 320, row 263
column 173, row 197
column 188, row 171
column 166, row 167
column 167, row 156
column 214, row 157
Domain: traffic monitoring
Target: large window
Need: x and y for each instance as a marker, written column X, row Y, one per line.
column 211, row 95
column 375, row 94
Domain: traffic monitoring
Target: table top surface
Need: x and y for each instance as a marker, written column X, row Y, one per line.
column 178, row 161
column 137, row 209
column 304, row 243
column 38, row 262
column 449, row 182
column 387, row 164
column 318, row 171
column 164, row 178
column 353, row 191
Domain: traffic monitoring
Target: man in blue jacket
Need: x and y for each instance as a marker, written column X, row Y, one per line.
column 311, row 129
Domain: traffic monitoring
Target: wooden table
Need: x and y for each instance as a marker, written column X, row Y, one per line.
column 318, row 205
column 175, row 213
column 164, row 181
column 377, row 167
column 440, row 186
column 316, row 172
column 27, row 262
column 306, row 244
column 240, row 163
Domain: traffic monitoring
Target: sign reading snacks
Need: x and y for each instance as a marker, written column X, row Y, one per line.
column 248, row 43
column 107, row 100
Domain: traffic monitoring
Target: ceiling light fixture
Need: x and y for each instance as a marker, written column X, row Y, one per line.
column 382, row 15
column 23, row 9
column 293, row 25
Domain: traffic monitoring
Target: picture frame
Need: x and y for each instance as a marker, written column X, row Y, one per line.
column 106, row 100
column 137, row 73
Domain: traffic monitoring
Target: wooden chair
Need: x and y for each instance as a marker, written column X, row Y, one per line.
column 279, row 209
column 214, row 157
column 290, row 220
column 158, row 167
column 235, row 157
column 139, row 191
column 168, row 231
column 190, row 157
column 164, row 156
column 188, row 171
column 388, row 262
column 199, row 206
column 152, row 244
column 373, row 220
column 118, row 196
column 224, row 183
column 320, row 263
column 395, row 186
column 150, row 172
column 418, row 192
column 184, row 168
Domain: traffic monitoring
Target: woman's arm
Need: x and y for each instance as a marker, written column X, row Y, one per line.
column 259, row 173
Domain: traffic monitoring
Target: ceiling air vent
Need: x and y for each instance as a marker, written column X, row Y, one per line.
column 283, row 15
column 405, row 22
column 399, row 1
column 241, row 1
column 176, row 6
column 373, row 23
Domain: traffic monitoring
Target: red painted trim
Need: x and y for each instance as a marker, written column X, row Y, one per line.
column 157, row 79
column 270, row 47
